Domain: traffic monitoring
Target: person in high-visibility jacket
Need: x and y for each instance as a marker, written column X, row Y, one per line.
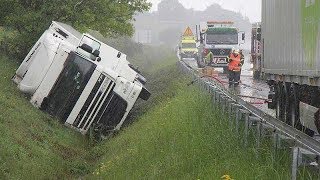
column 235, row 60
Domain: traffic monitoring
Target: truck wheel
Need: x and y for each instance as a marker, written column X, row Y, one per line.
column 286, row 103
column 294, row 107
column 280, row 101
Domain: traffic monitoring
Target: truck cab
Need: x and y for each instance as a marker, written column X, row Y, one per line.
column 80, row 80
column 219, row 38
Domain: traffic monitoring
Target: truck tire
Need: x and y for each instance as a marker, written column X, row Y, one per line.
column 286, row 98
column 280, row 111
column 294, row 107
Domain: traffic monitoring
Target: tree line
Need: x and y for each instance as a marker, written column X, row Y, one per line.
column 26, row 20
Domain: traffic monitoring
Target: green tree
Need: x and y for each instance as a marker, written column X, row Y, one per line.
column 29, row 18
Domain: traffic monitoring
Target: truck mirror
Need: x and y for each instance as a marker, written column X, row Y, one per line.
column 243, row 36
column 259, row 37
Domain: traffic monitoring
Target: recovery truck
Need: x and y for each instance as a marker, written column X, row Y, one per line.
column 82, row 81
column 256, row 50
column 291, row 61
column 219, row 37
column 188, row 45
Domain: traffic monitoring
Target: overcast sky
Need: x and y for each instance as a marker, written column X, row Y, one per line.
column 250, row 8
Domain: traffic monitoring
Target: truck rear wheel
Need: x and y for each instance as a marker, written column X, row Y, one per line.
column 294, row 107
column 286, row 107
column 280, row 111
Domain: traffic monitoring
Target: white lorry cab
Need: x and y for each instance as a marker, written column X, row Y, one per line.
column 80, row 80
column 218, row 37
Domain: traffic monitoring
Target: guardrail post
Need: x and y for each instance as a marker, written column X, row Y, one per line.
column 223, row 103
column 235, row 108
column 249, row 122
column 246, row 128
column 230, row 111
column 242, row 113
column 255, row 121
column 295, row 162
column 301, row 156
column 278, row 137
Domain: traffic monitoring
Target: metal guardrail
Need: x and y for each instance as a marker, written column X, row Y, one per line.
column 214, row 87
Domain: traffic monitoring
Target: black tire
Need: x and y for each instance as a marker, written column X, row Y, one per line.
column 280, row 110
column 286, row 103
column 293, row 115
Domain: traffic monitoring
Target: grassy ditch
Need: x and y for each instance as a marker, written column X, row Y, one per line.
column 33, row 145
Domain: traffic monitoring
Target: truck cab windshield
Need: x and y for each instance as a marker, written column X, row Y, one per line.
column 222, row 38
column 188, row 45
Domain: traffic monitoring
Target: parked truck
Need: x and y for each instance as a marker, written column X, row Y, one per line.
column 219, row 37
column 256, row 50
column 82, row 81
column 291, row 60
column 188, row 45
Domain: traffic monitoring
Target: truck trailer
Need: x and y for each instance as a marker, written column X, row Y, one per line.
column 80, row 80
column 291, row 60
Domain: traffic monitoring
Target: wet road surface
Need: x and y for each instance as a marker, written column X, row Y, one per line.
column 252, row 91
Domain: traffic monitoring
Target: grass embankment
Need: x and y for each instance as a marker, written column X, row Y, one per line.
column 32, row 144
column 185, row 137
column 179, row 136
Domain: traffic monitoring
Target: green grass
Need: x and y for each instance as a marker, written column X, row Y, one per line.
column 33, row 145
column 183, row 138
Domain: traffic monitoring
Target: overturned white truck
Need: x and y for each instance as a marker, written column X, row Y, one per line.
column 80, row 80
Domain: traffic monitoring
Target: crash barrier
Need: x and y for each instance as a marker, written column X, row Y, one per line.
column 255, row 121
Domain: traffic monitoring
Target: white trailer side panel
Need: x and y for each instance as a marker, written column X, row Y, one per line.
column 291, row 40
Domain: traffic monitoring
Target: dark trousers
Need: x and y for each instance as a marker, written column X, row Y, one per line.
column 234, row 77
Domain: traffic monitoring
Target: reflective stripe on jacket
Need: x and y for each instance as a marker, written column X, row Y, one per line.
column 235, row 62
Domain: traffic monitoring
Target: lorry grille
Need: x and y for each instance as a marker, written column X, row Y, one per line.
column 113, row 112
column 99, row 98
column 221, row 52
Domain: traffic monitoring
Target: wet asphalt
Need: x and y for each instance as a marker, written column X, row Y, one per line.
column 250, row 90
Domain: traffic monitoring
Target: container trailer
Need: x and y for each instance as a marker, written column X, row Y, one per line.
column 291, row 60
